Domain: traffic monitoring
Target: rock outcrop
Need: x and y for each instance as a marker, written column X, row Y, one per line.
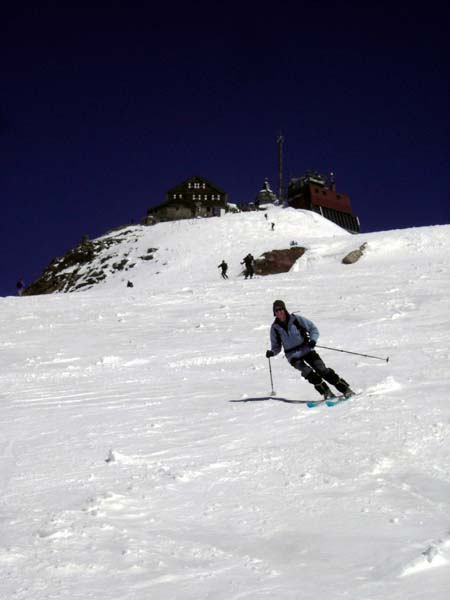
column 354, row 255
column 86, row 265
column 278, row 261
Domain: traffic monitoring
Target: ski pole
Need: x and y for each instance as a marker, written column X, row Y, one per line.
column 273, row 392
column 357, row 353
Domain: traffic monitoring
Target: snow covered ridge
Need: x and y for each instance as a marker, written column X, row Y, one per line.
column 190, row 250
column 141, row 456
column 177, row 246
column 89, row 263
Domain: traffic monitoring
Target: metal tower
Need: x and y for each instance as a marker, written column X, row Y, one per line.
column 280, row 141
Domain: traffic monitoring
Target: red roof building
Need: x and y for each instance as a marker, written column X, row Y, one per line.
column 313, row 192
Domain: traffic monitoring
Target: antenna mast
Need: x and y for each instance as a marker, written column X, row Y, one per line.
column 280, row 141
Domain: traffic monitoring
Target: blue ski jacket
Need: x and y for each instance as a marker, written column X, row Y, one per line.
column 289, row 336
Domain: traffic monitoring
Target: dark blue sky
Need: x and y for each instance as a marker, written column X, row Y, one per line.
column 105, row 107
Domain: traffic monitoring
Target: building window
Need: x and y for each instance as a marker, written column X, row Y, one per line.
column 203, row 185
column 189, row 185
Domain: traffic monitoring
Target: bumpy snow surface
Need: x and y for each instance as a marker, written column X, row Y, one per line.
column 142, row 458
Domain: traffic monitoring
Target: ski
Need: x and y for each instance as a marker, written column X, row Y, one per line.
column 338, row 399
column 313, row 403
column 330, row 401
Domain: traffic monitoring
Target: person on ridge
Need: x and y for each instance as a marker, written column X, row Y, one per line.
column 223, row 265
column 298, row 337
column 20, row 286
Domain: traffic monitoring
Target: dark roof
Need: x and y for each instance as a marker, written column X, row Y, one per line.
column 197, row 177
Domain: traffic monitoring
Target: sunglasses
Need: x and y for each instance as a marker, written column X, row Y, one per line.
column 279, row 310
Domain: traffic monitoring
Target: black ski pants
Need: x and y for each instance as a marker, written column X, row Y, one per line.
column 314, row 370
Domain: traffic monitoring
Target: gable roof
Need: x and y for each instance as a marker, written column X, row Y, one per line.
column 196, row 179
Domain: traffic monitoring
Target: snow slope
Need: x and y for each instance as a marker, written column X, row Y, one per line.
column 141, row 457
column 192, row 250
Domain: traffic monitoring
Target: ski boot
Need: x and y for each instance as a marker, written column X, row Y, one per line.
column 324, row 391
column 348, row 393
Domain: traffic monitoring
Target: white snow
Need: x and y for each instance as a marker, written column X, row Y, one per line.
column 140, row 457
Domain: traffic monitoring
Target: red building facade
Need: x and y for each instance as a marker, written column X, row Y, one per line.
column 313, row 192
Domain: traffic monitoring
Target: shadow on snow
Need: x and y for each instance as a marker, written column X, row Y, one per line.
column 263, row 398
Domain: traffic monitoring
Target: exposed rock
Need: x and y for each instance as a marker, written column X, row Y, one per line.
column 354, row 255
column 149, row 255
column 120, row 266
column 278, row 261
column 85, row 265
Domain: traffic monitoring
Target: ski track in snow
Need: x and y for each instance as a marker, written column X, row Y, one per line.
column 141, row 456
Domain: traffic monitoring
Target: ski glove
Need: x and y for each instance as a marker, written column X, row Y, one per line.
column 269, row 354
column 311, row 344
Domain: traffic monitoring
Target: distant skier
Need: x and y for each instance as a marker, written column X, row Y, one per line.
column 223, row 265
column 130, row 284
column 249, row 261
column 265, row 216
column 20, row 287
column 298, row 337
column 272, row 226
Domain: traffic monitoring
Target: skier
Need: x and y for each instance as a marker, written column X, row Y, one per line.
column 20, row 287
column 298, row 336
column 249, row 267
column 272, row 227
column 223, row 265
